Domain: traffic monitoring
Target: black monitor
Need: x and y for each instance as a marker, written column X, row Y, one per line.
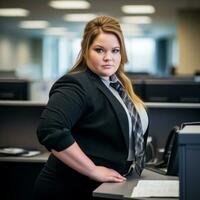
column 14, row 89
column 167, row 90
column 172, row 165
column 18, row 124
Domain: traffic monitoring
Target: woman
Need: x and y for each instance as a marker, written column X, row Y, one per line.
column 86, row 125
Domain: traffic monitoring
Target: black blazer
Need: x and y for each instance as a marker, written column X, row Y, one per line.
column 82, row 109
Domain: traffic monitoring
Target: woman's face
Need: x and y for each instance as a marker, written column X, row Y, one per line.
column 104, row 55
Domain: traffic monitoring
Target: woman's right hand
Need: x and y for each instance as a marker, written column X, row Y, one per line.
column 75, row 158
column 104, row 174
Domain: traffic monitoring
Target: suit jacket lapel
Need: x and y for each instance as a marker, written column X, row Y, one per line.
column 119, row 110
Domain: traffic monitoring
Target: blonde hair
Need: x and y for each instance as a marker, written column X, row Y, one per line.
column 105, row 24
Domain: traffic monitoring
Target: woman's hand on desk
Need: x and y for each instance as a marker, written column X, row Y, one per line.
column 104, row 174
column 75, row 158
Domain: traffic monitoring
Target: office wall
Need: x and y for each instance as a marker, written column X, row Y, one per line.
column 188, row 32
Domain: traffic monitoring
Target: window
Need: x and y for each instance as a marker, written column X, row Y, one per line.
column 141, row 55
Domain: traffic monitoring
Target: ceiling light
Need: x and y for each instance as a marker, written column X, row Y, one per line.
column 138, row 9
column 136, row 20
column 56, row 31
column 79, row 17
column 59, row 31
column 69, row 4
column 13, row 12
column 34, row 24
column 131, row 30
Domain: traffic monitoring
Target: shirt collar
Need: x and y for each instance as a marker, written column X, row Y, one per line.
column 113, row 79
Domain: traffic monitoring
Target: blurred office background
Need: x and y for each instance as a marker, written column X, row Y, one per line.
column 40, row 40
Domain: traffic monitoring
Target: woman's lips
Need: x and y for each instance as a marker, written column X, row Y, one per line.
column 107, row 66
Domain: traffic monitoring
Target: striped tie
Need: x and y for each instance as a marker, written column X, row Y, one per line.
column 136, row 127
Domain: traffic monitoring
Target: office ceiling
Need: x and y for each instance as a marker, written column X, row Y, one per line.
column 163, row 20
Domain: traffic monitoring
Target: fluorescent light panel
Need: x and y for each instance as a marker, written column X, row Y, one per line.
column 79, row 17
column 33, row 24
column 13, row 12
column 56, row 31
column 138, row 9
column 136, row 20
column 131, row 30
column 69, row 4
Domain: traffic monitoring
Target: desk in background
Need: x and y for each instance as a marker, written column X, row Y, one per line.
column 124, row 190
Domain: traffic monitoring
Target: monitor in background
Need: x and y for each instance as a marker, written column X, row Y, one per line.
column 7, row 74
column 172, row 165
column 18, row 124
column 14, row 89
column 167, row 90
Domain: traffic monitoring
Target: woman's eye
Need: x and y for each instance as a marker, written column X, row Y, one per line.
column 99, row 50
column 115, row 50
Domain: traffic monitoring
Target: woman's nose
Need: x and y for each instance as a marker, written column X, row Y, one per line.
column 107, row 56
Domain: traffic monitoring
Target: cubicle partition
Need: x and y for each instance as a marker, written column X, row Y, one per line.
column 18, row 123
column 164, row 116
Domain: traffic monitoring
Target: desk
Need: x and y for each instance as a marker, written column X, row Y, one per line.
column 41, row 158
column 18, row 175
column 124, row 190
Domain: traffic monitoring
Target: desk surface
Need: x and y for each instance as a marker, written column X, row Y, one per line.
column 124, row 190
column 41, row 158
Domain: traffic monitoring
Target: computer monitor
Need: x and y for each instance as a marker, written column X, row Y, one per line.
column 167, row 90
column 172, row 165
column 14, row 89
column 18, row 124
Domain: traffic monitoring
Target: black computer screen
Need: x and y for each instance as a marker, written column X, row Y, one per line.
column 172, row 165
column 14, row 89
column 172, row 91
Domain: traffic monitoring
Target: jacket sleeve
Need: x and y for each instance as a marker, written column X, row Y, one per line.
column 66, row 105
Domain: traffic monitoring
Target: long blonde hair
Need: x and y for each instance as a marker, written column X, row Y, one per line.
column 105, row 24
